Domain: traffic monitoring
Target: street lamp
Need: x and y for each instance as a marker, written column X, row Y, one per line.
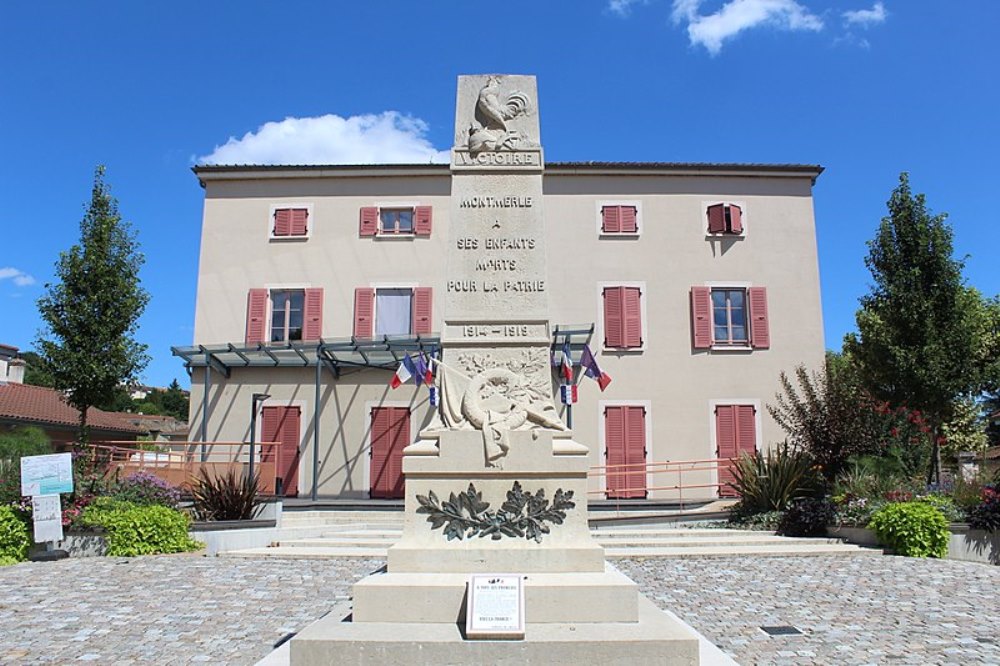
column 257, row 399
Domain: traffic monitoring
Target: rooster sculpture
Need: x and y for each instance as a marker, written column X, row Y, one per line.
column 490, row 132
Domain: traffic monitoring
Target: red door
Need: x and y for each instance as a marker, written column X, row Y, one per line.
column 281, row 425
column 735, row 434
column 625, row 442
column 390, row 432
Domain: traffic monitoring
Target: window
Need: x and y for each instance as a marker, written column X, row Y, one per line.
column 625, row 451
column 618, row 218
column 623, row 317
column 284, row 315
column 730, row 316
column 725, row 218
column 290, row 221
column 287, row 315
column 392, row 311
column 735, row 434
column 396, row 220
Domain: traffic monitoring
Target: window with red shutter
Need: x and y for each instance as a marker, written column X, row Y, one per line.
column 396, row 220
column 625, row 451
column 313, row 315
column 390, row 434
column 735, row 435
column 619, row 218
column 422, row 301
column 290, row 222
column 760, row 330
column 256, row 316
column 725, row 219
column 623, row 317
column 364, row 312
column 729, row 317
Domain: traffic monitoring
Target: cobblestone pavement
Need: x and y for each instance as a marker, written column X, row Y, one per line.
column 196, row 610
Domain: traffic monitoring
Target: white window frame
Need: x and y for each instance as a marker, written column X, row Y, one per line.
column 366, row 427
column 732, row 284
column 309, row 224
column 599, row 324
column 744, row 217
column 602, row 436
column 639, row 220
column 713, row 442
column 412, row 286
column 279, row 286
column 395, row 205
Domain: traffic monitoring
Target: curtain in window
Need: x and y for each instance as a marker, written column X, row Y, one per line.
column 393, row 311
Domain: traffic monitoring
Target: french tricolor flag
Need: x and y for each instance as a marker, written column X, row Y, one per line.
column 567, row 363
column 407, row 369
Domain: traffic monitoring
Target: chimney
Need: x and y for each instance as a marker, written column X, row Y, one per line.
column 15, row 371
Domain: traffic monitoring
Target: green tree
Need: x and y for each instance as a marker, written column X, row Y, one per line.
column 92, row 313
column 919, row 339
column 175, row 402
column 35, row 372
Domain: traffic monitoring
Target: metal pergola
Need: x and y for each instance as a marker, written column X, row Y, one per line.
column 337, row 356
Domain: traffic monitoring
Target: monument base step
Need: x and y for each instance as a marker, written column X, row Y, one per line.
column 489, row 556
column 548, row 597
column 657, row 638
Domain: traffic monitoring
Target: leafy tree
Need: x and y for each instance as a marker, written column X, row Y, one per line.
column 92, row 313
column 35, row 372
column 919, row 343
column 175, row 402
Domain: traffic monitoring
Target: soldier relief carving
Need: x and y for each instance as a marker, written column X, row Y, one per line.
column 498, row 395
column 494, row 108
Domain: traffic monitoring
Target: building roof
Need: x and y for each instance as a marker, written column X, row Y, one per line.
column 45, row 406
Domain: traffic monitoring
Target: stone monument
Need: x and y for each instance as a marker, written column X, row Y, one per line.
column 496, row 484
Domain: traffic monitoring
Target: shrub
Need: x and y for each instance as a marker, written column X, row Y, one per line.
column 24, row 441
column 140, row 530
column 768, row 521
column 807, row 517
column 770, row 482
column 945, row 504
column 145, row 489
column 986, row 515
column 15, row 539
column 856, row 511
column 913, row 529
column 229, row 496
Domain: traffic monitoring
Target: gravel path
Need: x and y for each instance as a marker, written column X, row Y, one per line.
column 191, row 609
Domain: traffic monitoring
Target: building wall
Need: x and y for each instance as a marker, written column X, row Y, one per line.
column 671, row 254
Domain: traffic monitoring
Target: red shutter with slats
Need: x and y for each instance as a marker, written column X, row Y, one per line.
column 256, row 316
column 614, row 442
column 760, row 330
column 632, row 317
column 390, row 434
column 746, row 429
column 299, row 225
column 628, row 219
column 422, row 220
column 270, row 431
column 364, row 312
column 625, row 444
column 369, row 221
column 422, row 302
column 312, row 316
column 613, row 317
column 611, row 219
column 281, row 425
column 282, row 221
column 701, row 317
column 635, row 450
column 735, row 219
column 717, row 219
column 725, row 440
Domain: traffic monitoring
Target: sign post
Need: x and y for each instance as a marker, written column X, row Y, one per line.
column 43, row 478
column 496, row 607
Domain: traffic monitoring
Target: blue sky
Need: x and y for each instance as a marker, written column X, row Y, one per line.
column 866, row 89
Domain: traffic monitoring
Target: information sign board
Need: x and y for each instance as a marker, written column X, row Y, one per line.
column 47, row 515
column 47, row 475
column 495, row 607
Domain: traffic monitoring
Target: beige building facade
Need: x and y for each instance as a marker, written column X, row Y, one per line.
column 694, row 285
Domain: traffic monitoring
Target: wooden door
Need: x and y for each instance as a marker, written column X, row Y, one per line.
column 283, row 425
column 735, row 434
column 625, row 442
column 390, row 434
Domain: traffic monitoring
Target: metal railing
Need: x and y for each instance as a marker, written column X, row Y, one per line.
column 179, row 463
column 637, row 480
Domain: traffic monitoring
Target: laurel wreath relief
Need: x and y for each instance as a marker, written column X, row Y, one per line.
column 522, row 514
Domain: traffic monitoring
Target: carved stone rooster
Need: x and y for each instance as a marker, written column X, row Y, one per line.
column 491, row 132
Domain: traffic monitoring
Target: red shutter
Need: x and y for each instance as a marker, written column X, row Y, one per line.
column 725, row 440
column 256, row 316
column 760, row 332
column 614, row 442
column 364, row 312
column 611, row 219
column 735, row 219
column 270, row 431
column 390, row 434
column 422, row 220
column 299, row 221
column 312, row 328
column 625, row 445
column 282, row 221
column 632, row 316
column 288, row 449
column 635, row 450
column 627, row 217
column 422, row 300
column 613, row 317
column 717, row 219
column 701, row 317
column 369, row 221
column 746, row 429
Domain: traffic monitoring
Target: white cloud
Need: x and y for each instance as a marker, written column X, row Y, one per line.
column 385, row 138
column 866, row 17
column 712, row 30
column 20, row 278
column 623, row 7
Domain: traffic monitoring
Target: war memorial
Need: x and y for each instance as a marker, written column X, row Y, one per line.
column 496, row 563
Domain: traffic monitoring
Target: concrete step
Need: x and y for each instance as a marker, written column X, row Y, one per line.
column 337, row 543
column 729, row 551
column 305, row 553
column 698, row 542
